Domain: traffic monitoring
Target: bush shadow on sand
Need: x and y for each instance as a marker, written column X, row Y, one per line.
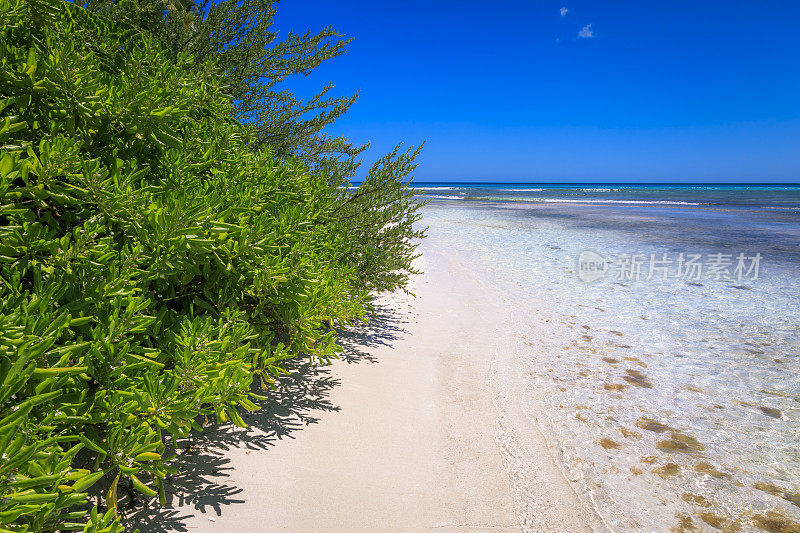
column 200, row 485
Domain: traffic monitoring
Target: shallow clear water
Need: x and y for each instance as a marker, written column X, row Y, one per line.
column 675, row 400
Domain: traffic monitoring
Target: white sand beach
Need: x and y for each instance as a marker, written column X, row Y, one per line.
column 415, row 429
column 572, row 234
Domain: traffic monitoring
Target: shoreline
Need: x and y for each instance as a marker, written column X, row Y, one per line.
column 424, row 433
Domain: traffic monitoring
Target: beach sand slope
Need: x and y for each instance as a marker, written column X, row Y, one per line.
column 416, row 429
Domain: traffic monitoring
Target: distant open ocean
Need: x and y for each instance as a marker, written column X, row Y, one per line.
column 670, row 367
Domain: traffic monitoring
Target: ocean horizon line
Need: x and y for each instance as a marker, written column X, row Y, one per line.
column 466, row 184
column 601, row 184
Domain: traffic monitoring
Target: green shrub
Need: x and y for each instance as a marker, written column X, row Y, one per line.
column 376, row 223
column 152, row 266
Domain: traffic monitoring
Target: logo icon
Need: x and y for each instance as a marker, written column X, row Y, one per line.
column 591, row 266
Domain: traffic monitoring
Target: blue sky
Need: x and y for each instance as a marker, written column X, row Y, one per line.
column 607, row 91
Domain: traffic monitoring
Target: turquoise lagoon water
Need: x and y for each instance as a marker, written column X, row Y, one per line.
column 673, row 391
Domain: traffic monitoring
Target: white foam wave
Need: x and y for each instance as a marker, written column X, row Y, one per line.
column 444, row 197
column 583, row 200
column 602, row 201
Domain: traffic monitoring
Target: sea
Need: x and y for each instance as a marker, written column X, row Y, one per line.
column 658, row 328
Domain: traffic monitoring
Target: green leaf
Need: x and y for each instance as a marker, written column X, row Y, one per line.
column 141, row 487
column 31, row 497
column 147, row 456
column 42, row 373
column 87, row 481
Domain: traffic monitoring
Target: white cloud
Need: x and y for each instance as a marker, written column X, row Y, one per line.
column 563, row 11
column 586, row 32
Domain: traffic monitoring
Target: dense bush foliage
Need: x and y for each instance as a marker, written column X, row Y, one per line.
column 153, row 266
column 254, row 60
